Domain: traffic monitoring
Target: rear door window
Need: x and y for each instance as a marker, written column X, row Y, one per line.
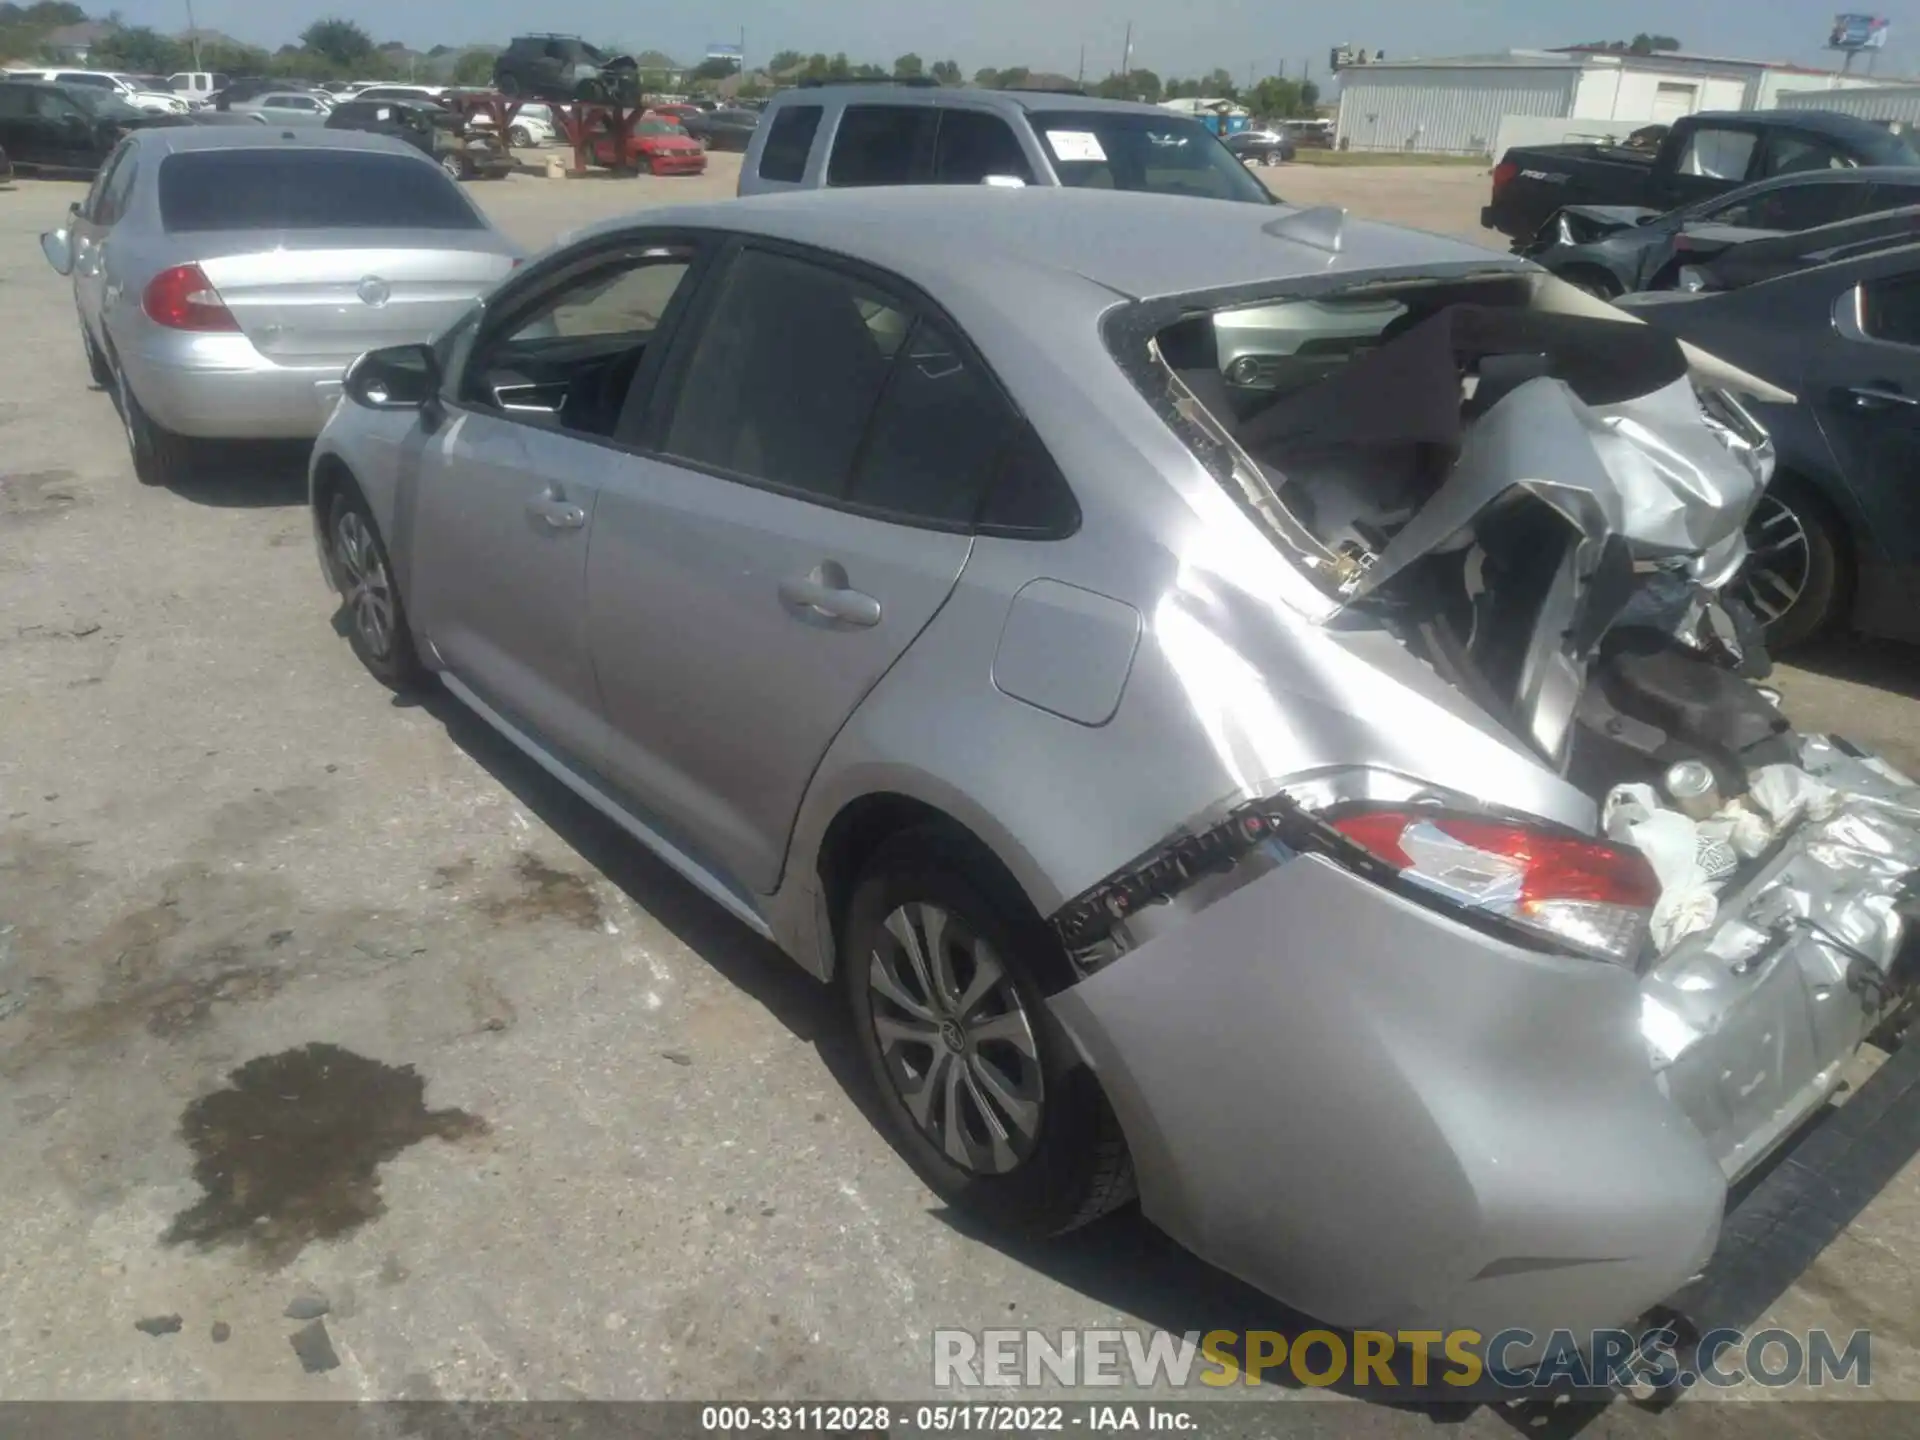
column 936, row 434
column 308, row 190
column 1792, row 207
column 1790, row 154
column 789, row 142
column 882, row 145
column 1718, row 154
column 973, row 145
column 785, row 373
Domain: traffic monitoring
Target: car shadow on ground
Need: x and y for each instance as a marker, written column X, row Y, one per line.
column 810, row 1011
column 1122, row 1261
column 1889, row 665
column 247, row 474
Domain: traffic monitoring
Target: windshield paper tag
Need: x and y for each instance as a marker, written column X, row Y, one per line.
column 1071, row 145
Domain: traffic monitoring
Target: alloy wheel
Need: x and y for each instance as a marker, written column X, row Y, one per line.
column 1779, row 560
column 955, row 1039
column 364, row 579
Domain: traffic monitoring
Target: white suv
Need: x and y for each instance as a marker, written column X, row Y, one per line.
column 154, row 102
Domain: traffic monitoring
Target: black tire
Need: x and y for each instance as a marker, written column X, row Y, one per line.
column 456, row 166
column 97, row 364
column 160, row 457
column 1074, row 1167
column 518, row 137
column 376, row 617
column 1824, row 579
column 1272, row 157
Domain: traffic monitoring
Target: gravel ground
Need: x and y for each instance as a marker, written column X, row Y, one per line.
column 233, row 871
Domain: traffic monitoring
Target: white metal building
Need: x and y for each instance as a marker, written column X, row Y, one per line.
column 1883, row 102
column 1457, row 105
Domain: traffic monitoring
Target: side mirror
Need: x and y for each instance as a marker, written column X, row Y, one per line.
column 58, row 248
column 400, row 377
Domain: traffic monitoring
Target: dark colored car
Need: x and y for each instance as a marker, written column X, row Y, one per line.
column 722, row 129
column 60, row 128
column 1263, row 147
column 6, row 167
column 244, row 87
column 1610, row 250
column 1700, row 157
column 564, row 67
column 463, row 154
column 1836, row 537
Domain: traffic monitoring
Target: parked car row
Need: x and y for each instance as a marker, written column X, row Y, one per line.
column 842, row 548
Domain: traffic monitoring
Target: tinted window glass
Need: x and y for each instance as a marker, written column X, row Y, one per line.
column 1796, row 207
column 1791, row 154
column 308, row 190
column 1718, row 154
column 1891, row 309
column 16, row 102
column 112, row 203
column 1029, row 495
column 1116, row 150
column 931, row 451
column 1892, row 197
column 785, row 374
column 625, row 301
column 880, row 144
column 789, row 140
column 974, row 145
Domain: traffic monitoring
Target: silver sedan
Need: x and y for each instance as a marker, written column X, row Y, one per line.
column 1262, row 720
column 225, row 276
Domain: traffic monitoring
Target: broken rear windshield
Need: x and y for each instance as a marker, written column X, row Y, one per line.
column 1124, row 150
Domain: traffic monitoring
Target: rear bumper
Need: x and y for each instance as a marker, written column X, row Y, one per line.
column 222, row 388
column 1392, row 1121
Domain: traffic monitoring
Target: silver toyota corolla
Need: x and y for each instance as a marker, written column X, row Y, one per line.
column 225, row 277
column 1243, row 700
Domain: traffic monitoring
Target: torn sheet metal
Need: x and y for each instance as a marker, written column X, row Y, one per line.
column 1652, row 470
column 1749, row 1020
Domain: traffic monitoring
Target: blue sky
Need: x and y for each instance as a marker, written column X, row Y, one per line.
column 1171, row 37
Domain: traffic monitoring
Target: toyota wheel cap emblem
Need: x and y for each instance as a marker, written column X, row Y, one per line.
column 374, row 290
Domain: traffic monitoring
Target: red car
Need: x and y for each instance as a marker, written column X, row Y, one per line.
column 659, row 147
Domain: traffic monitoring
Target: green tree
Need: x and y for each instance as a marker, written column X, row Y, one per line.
column 1134, row 85
column 987, row 78
column 1309, row 98
column 909, row 67
column 1219, row 84
column 142, row 50
column 785, row 60
column 474, row 67
column 338, row 42
column 947, row 72
column 652, row 60
column 716, row 68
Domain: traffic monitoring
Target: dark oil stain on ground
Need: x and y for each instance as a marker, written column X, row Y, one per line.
column 546, row 893
column 289, row 1152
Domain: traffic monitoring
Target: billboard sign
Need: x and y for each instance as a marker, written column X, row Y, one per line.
column 1858, row 32
column 724, row 52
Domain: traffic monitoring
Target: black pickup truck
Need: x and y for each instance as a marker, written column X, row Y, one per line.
column 1699, row 157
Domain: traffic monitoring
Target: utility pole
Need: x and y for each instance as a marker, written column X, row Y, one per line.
column 743, row 53
column 193, row 35
column 1081, row 78
column 1126, row 53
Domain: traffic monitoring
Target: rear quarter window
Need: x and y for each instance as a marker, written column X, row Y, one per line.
column 789, row 142
column 308, row 190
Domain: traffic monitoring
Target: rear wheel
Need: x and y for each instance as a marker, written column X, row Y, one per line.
column 519, row 138
column 944, row 966
column 455, row 165
column 1273, row 157
column 160, row 457
column 376, row 619
column 1798, row 576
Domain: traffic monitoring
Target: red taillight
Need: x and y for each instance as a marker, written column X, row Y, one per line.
column 182, row 298
column 1503, row 175
column 1583, row 893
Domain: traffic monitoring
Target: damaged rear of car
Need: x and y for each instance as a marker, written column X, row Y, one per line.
column 1567, row 929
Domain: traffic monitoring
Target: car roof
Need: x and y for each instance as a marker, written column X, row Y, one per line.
column 1816, row 122
column 881, row 92
column 177, row 139
column 1137, row 245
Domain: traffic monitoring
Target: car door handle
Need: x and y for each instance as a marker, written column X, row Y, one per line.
column 825, row 592
column 1879, row 395
column 556, row 511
